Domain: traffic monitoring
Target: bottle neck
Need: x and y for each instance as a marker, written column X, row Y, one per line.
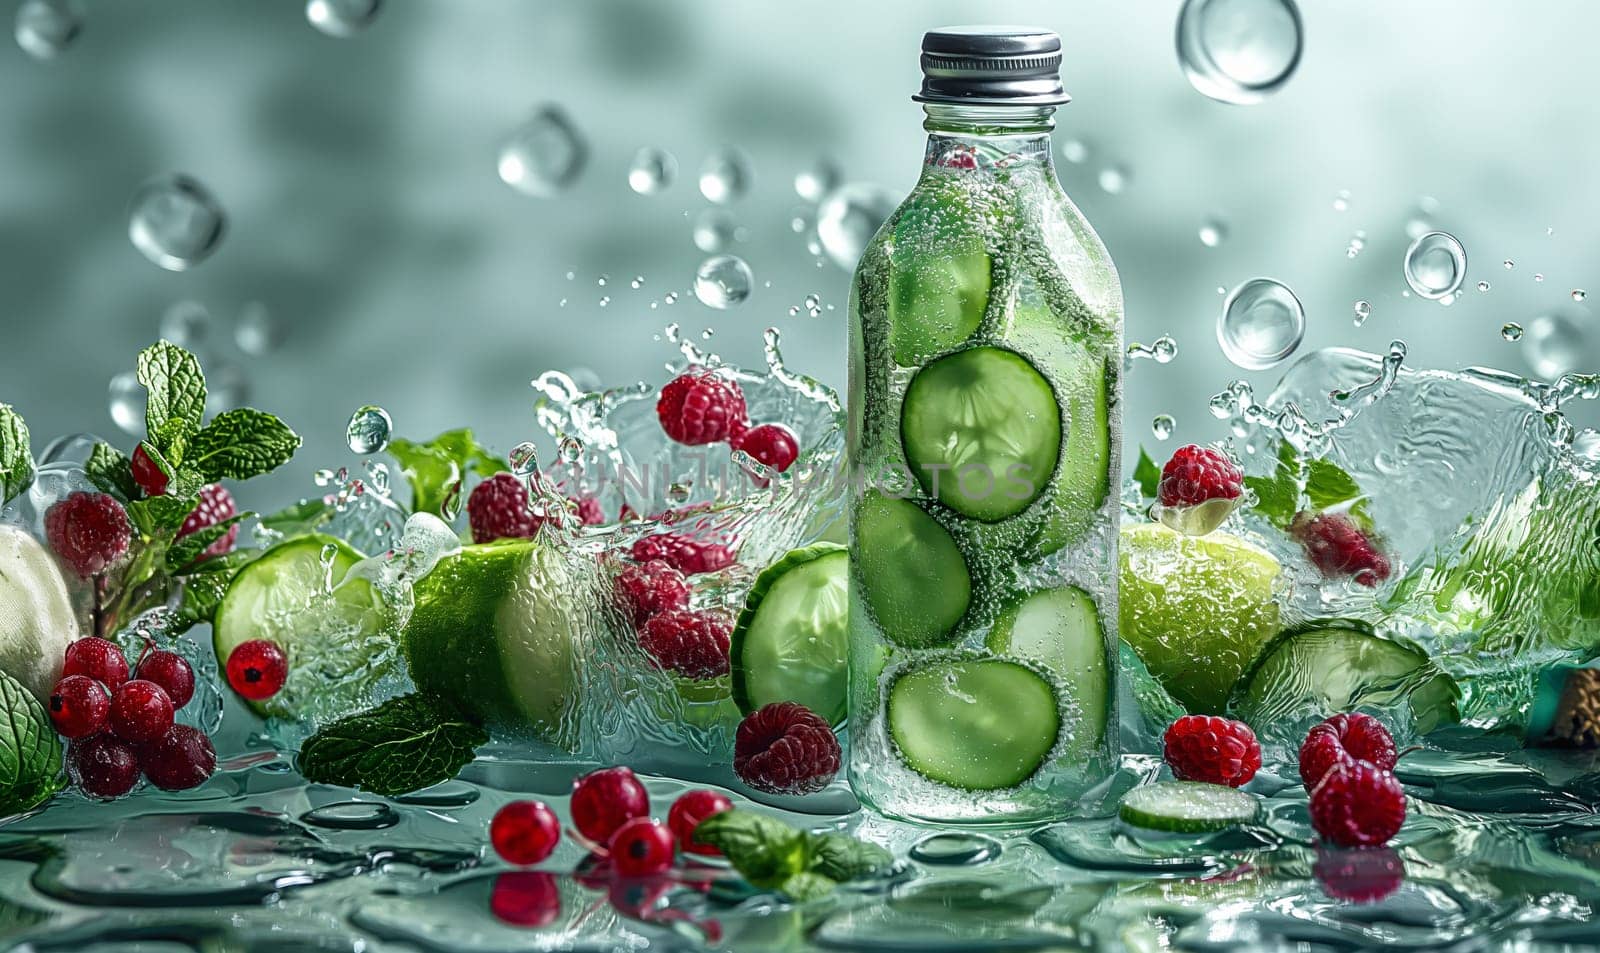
column 970, row 137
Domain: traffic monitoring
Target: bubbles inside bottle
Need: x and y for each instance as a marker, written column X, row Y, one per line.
column 1261, row 323
column 1554, row 346
column 175, row 221
column 725, row 176
column 45, row 28
column 544, row 155
column 723, row 281
column 849, row 217
column 1239, row 51
column 1435, row 265
column 652, row 170
column 369, row 430
column 342, row 18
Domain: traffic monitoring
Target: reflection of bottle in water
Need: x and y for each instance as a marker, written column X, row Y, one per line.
column 986, row 327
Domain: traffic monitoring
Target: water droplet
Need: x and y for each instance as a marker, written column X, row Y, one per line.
column 186, row 324
column 1578, row 294
column 368, row 430
column 1075, row 151
column 45, row 28
column 1165, row 349
column 1239, row 51
column 175, row 221
column 257, row 332
column 1261, row 323
column 1509, row 264
column 1483, row 286
column 605, row 300
column 1356, row 245
column 637, row 282
column 714, row 230
column 125, row 396
column 1363, row 311
column 227, row 387
column 1538, row 277
column 1435, row 265
column 1341, row 202
column 352, row 816
column 1162, row 426
column 725, row 176
column 670, row 297
column 1213, row 232
column 652, row 170
column 1511, row 331
column 813, row 301
column 544, row 155
column 849, row 217
column 524, row 459
column 1554, row 346
column 601, row 281
column 342, row 18
column 814, row 183
column 955, row 849
column 723, row 281
column 1113, row 179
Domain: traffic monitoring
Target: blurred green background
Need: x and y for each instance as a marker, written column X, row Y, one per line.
column 367, row 220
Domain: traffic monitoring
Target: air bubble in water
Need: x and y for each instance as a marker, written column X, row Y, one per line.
column 126, row 403
column 849, row 217
column 1162, row 426
column 368, row 430
column 45, row 28
column 544, row 155
column 1435, row 265
column 714, row 230
column 1363, row 311
column 1483, row 286
column 186, row 324
column 257, row 332
column 1554, row 346
column 1578, row 294
column 1239, row 51
column 1341, row 202
column 342, row 18
column 175, row 221
column 725, row 176
column 813, row 183
column 723, row 281
column 1509, row 264
column 1113, row 179
column 652, row 170
column 1358, row 244
column 1213, row 232
column 1511, row 331
column 1261, row 323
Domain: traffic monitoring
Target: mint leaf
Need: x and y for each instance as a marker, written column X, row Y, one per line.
column 807, row 886
column 204, row 585
column 240, row 444
column 405, row 744
column 16, row 455
column 842, row 857
column 1147, row 475
column 188, row 549
column 766, row 851
column 30, row 751
column 159, row 516
column 111, row 470
column 436, row 468
column 1328, row 485
column 297, row 519
column 177, row 391
column 1278, row 495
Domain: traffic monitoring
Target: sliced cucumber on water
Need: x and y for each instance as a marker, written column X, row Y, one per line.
column 975, row 724
column 913, row 578
column 1060, row 629
column 1187, row 807
column 791, row 640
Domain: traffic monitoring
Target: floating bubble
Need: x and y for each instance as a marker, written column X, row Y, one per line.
column 1435, row 265
column 1511, row 331
column 1162, row 426
column 175, row 221
column 125, row 401
column 723, row 281
column 1357, row 244
column 1509, row 264
column 814, row 183
column 1239, row 51
column 1578, row 294
column 1363, row 311
column 544, row 155
column 1261, row 323
column 1113, row 179
column 1554, row 346
column 342, row 18
column 369, row 430
column 45, row 28
column 1213, row 232
column 1341, row 202
column 849, row 217
column 652, row 170
column 1075, row 151
column 714, row 230
column 1483, row 286
column 227, row 387
column 725, row 176
column 257, row 332
column 186, row 324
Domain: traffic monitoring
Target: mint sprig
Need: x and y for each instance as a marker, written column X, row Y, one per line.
column 405, row 744
column 437, row 468
column 16, row 455
column 111, row 470
column 1147, row 475
column 1322, row 483
column 30, row 751
column 240, row 444
column 184, row 551
column 802, row 866
column 176, row 399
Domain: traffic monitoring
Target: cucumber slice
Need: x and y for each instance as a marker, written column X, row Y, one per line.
column 792, row 638
column 939, row 277
column 1060, row 630
column 1316, row 671
column 913, row 578
column 976, row 724
column 337, row 645
column 982, row 432
column 1187, row 807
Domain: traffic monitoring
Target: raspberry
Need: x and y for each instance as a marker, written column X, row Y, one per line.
column 182, row 758
column 1358, row 876
column 498, row 509
column 685, row 553
column 688, row 811
column 216, row 505
column 1343, row 738
column 90, row 531
column 524, row 832
column 691, row 644
column 172, row 672
column 257, row 669
column 103, row 766
column 785, row 748
column 525, row 898
column 140, row 711
column 772, row 444
column 641, row 848
column 589, row 511
column 1357, row 804
column 98, row 658
column 1196, row 474
column 604, row 800
column 1207, row 748
column 147, row 473
column 79, row 706
column 651, row 589
column 698, row 407
column 1336, row 545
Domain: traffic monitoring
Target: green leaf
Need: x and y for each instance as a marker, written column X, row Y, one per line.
column 1278, row 495
column 177, row 391
column 408, row 743
column 240, row 444
column 188, row 549
column 842, row 857
column 807, row 886
column 1147, row 475
column 16, row 455
column 111, row 470
column 1327, row 485
column 160, row 516
column 297, row 519
column 204, row 585
column 30, row 751
column 766, row 851
column 436, row 468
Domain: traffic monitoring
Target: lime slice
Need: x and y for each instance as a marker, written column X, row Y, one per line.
column 939, row 276
column 982, row 430
column 792, row 638
column 1197, row 609
column 913, row 579
column 976, row 724
column 1187, row 807
column 1060, row 630
column 339, row 643
column 37, row 620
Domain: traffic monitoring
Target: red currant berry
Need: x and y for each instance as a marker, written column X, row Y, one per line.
column 524, row 832
column 641, row 848
column 99, row 659
column 103, row 766
column 257, row 669
column 140, row 711
column 172, row 672
column 147, row 474
column 525, row 898
column 78, row 706
column 603, row 801
column 686, row 814
column 179, row 760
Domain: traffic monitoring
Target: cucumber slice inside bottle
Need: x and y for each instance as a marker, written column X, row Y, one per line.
column 913, row 578
column 792, row 639
column 975, row 724
column 1060, row 630
column 939, row 277
column 1187, row 807
column 1310, row 673
column 982, row 432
